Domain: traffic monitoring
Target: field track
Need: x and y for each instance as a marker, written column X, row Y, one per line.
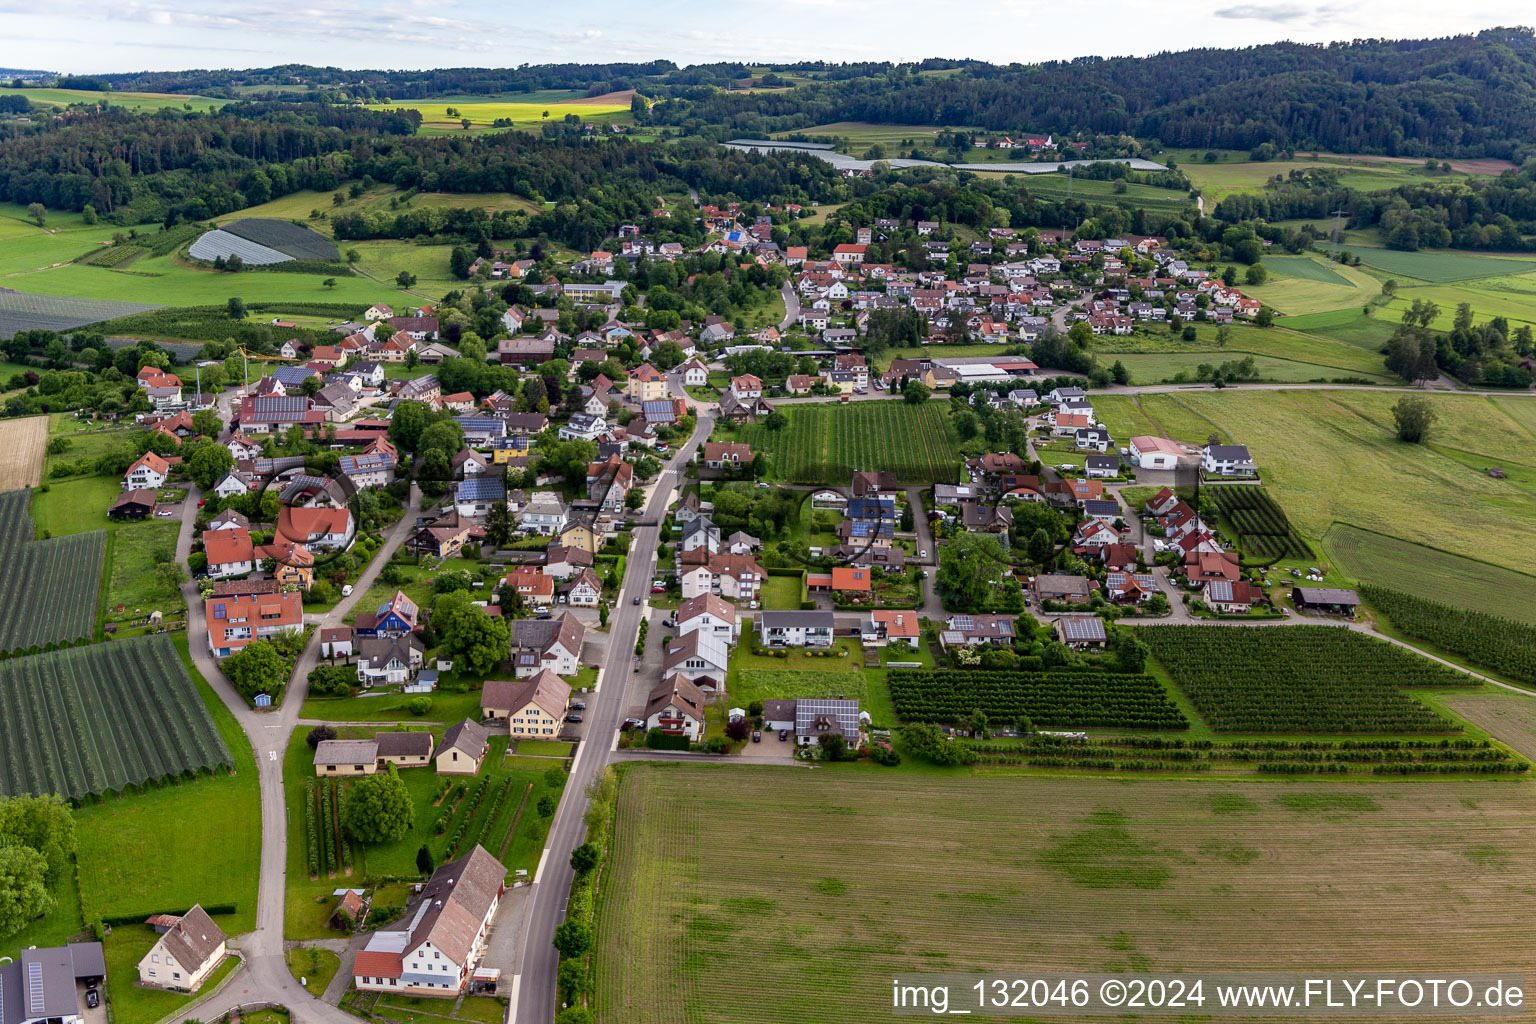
column 21, row 452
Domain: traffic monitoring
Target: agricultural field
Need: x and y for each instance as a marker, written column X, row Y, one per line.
column 302, row 206
column 52, row 584
column 525, row 115
column 1260, row 525
column 1441, row 266
column 1390, row 561
column 1508, row 717
column 1166, row 367
column 91, row 720
column 1111, row 700
column 1512, row 296
column 1123, row 415
column 1494, row 642
column 813, row 917
column 22, row 444
column 1234, row 172
column 1303, row 680
column 127, row 100
column 1303, row 287
column 498, row 818
column 1350, row 327
column 23, row 311
column 1331, row 457
column 126, row 868
column 1324, row 355
column 827, row 443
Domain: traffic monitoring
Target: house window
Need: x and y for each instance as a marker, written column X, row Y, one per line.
column 176, row 974
column 437, row 956
column 151, row 972
column 154, row 958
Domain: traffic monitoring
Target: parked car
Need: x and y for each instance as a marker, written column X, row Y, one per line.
column 783, row 735
column 346, row 590
column 573, row 718
column 579, row 705
column 668, row 623
column 92, row 998
column 164, row 513
column 757, row 735
column 632, row 723
column 656, row 588
column 923, row 553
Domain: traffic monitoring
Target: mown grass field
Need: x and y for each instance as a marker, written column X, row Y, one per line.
column 1331, row 357
column 1418, row 568
column 524, row 114
column 1234, row 172
column 128, row 100
column 1512, row 296
column 1293, row 289
column 1439, row 266
column 1350, row 326
column 1332, row 456
column 300, row 205
column 812, row 919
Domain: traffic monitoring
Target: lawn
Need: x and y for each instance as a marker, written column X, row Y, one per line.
column 316, row 966
column 1331, row 456
column 1351, row 327
column 1123, row 416
column 1304, row 267
column 391, row 707
column 813, row 917
column 309, row 902
column 782, row 593
column 124, row 948
column 801, row 674
column 1160, row 367
column 133, row 591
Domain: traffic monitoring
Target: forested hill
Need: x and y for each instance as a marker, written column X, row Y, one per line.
column 1461, row 96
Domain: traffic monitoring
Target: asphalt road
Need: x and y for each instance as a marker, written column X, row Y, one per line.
column 535, row 999
column 791, row 306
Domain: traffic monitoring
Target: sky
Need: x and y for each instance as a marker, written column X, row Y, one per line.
column 132, row 35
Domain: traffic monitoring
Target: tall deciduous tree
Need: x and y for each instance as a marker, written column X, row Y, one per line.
column 378, row 808
column 1414, row 415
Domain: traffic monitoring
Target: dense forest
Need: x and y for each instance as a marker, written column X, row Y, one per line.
column 1470, row 95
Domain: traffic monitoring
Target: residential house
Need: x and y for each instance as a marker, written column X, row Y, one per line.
column 1066, row 589
column 534, row 706
column 148, row 471
column 396, row 617
column 475, row 495
column 403, row 749
column 1080, row 631
column 746, row 387
column 886, row 626
column 711, row 615
column 1093, row 439
column 1227, row 460
column 563, row 562
column 463, row 749
column 700, row 534
column 978, row 631
column 697, row 657
column 434, row 948
column 235, row 621
column 553, row 644
column 795, row 629
column 1130, row 587
column 443, row 537
column 336, row 642
column 545, row 514
column 330, row 529
column 1232, row 597
column 229, row 552
column 719, row 455
column 582, row 590
column 583, row 426
column 676, row 707
column 385, row 660
column 189, row 949
column 647, row 384
column 1101, row 467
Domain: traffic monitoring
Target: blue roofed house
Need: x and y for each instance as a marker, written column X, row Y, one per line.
column 475, row 495
column 478, row 430
column 371, row 469
column 293, row 377
column 395, row 617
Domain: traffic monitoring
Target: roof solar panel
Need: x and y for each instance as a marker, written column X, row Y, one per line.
column 34, row 989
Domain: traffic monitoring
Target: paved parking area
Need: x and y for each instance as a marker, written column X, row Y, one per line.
column 771, row 749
